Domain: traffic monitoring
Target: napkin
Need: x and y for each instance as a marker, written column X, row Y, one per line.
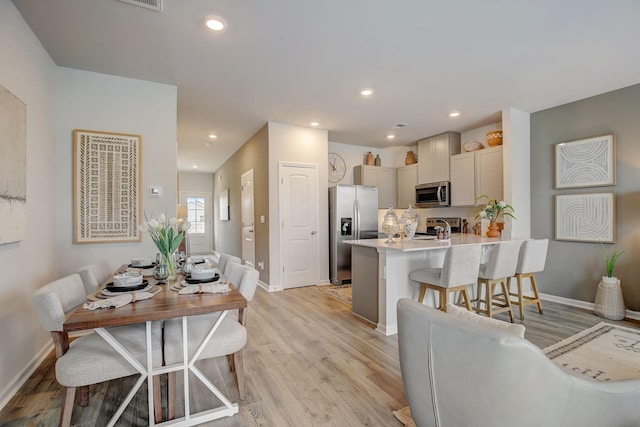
column 210, row 288
column 117, row 301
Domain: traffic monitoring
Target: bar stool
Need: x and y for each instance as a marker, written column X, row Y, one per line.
column 501, row 265
column 532, row 258
column 460, row 269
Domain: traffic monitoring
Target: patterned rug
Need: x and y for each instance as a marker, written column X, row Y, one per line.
column 341, row 292
column 604, row 352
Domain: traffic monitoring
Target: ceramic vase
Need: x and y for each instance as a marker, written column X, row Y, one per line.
column 410, row 159
column 493, row 230
column 369, row 159
column 609, row 300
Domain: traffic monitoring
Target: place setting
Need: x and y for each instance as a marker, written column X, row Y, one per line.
column 131, row 286
column 202, row 280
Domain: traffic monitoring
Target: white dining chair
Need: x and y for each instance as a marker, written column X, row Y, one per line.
column 228, row 340
column 225, row 260
column 459, row 271
column 89, row 359
column 94, row 275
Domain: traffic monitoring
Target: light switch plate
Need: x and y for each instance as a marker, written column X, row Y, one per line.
column 262, row 219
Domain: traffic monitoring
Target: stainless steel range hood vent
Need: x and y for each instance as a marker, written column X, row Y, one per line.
column 147, row 4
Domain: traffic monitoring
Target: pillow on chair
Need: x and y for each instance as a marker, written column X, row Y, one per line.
column 463, row 313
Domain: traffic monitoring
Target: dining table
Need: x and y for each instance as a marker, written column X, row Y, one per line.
column 166, row 303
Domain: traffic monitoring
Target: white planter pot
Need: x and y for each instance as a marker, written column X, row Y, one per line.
column 609, row 300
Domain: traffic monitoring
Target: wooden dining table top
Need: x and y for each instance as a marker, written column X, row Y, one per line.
column 166, row 304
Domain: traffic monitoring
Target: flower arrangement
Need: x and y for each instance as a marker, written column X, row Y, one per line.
column 494, row 209
column 166, row 235
column 610, row 259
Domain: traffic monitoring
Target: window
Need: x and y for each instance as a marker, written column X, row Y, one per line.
column 196, row 214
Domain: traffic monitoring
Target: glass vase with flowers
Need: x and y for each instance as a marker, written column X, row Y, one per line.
column 167, row 234
column 493, row 210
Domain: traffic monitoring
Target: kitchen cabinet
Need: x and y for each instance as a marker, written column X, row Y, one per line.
column 433, row 156
column 406, row 181
column 474, row 174
column 381, row 177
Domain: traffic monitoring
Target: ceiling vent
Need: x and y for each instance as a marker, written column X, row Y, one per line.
column 147, row 4
column 400, row 125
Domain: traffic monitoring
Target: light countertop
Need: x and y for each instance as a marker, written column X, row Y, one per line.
column 423, row 245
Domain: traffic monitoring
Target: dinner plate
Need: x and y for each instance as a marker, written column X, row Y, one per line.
column 115, row 289
column 200, row 262
column 191, row 281
column 152, row 265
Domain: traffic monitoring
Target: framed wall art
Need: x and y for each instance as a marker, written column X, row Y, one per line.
column 106, row 180
column 588, row 217
column 586, row 162
column 13, row 167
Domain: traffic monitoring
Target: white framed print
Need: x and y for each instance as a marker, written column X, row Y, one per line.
column 589, row 162
column 588, row 217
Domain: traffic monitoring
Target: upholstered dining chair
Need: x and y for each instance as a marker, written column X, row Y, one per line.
column 89, row 359
column 531, row 260
column 460, row 269
column 228, row 340
column 94, row 275
column 226, row 260
column 501, row 265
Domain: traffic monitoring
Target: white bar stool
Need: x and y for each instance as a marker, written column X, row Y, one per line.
column 460, row 269
column 532, row 258
column 501, row 265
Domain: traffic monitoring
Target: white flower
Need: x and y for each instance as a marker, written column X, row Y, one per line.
column 502, row 204
column 185, row 226
column 162, row 219
column 174, row 221
column 153, row 223
column 143, row 227
column 483, row 214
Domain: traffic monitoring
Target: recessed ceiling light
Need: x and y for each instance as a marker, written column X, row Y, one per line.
column 454, row 114
column 215, row 23
column 194, row 167
column 366, row 92
column 314, row 124
column 212, row 136
column 390, row 136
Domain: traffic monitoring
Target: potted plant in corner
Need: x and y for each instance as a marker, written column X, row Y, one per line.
column 609, row 300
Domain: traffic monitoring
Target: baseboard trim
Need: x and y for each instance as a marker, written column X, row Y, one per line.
column 635, row 315
column 22, row 377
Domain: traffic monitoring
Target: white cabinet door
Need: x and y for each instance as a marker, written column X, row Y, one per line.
column 425, row 161
column 463, row 183
column 433, row 156
column 381, row 177
column 440, row 154
column 489, row 179
column 406, row 181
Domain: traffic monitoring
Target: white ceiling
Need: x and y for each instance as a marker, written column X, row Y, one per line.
column 298, row 61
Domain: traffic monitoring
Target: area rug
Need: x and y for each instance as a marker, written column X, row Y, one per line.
column 341, row 292
column 604, row 352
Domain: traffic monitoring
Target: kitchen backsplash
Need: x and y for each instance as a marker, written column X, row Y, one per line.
column 423, row 214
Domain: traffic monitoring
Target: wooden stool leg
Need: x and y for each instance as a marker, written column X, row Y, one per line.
column 520, row 297
column 534, row 288
column 444, row 299
column 465, row 297
column 67, row 406
column 505, row 291
column 157, row 399
column 171, row 396
column 423, row 290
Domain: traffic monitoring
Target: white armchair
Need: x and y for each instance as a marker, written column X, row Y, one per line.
column 459, row 373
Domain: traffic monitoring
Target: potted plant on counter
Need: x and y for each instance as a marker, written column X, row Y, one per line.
column 609, row 300
column 492, row 211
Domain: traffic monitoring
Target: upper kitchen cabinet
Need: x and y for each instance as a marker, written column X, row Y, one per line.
column 406, row 179
column 474, row 174
column 381, row 177
column 433, row 156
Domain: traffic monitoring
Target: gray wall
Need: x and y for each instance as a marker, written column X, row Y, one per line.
column 254, row 155
column 574, row 269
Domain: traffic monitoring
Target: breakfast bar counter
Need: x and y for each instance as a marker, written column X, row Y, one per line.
column 380, row 273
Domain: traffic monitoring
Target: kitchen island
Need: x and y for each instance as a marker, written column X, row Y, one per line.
column 380, row 273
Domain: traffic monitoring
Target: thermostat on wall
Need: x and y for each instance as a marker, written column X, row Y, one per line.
column 155, row 191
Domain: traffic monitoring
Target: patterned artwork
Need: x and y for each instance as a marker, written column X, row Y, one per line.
column 586, row 163
column 13, row 168
column 107, row 187
column 586, row 217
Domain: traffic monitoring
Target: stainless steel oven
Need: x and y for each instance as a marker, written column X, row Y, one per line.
column 433, row 195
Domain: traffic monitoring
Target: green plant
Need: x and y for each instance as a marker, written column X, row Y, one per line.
column 494, row 209
column 610, row 259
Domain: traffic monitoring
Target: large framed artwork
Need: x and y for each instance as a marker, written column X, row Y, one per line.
column 13, row 167
column 106, row 169
column 588, row 217
column 586, row 162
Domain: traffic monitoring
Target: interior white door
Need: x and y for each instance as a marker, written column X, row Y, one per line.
column 299, row 215
column 248, row 229
column 199, row 215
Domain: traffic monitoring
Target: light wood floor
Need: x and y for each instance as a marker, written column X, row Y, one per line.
column 309, row 362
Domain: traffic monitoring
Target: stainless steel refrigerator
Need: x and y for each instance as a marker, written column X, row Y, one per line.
column 353, row 214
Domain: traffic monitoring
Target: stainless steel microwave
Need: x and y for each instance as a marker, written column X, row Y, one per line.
column 433, row 195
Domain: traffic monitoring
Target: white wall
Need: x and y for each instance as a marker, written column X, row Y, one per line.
column 296, row 144
column 101, row 102
column 195, row 181
column 28, row 72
